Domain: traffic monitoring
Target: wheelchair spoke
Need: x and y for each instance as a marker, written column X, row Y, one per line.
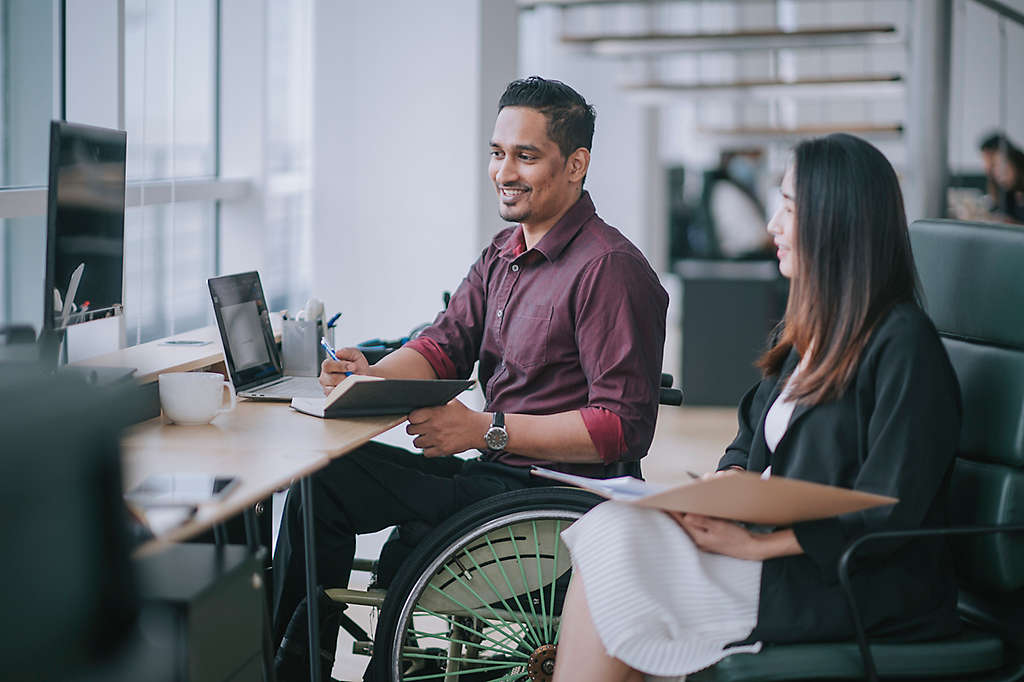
column 472, row 671
column 437, row 657
column 554, row 575
column 540, row 585
column 453, row 622
column 522, row 572
column 480, row 571
column 479, row 645
column 479, row 598
column 512, row 590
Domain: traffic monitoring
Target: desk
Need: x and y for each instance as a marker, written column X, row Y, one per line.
column 260, row 426
column 261, row 472
column 155, row 357
column 267, row 445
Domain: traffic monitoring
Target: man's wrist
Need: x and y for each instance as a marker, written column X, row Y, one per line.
column 481, row 425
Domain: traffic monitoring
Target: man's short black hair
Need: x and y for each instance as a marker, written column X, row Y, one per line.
column 995, row 141
column 570, row 118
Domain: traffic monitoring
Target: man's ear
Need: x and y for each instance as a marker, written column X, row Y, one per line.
column 577, row 164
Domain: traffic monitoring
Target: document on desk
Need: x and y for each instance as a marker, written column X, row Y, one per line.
column 736, row 495
column 360, row 395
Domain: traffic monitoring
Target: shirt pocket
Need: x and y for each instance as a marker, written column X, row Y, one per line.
column 526, row 335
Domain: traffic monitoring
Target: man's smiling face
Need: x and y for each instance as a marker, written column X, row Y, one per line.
column 535, row 185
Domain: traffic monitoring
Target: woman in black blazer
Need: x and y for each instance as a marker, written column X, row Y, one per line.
column 858, row 392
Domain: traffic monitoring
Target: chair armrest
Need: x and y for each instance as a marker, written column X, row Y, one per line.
column 844, row 572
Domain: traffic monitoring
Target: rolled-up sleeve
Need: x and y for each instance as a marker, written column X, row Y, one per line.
column 452, row 343
column 620, row 333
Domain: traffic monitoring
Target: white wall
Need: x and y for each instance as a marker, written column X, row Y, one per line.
column 404, row 94
column 977, row 84
column 619, row 173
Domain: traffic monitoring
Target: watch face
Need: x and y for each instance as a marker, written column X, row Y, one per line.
column 496, row 438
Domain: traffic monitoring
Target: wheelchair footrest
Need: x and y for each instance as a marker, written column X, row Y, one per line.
column 363, row 597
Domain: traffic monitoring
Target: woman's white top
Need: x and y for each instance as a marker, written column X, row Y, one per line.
column 777, row 420
column 659, row 604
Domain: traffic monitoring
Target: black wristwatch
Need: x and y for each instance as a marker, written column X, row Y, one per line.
column 496, row 436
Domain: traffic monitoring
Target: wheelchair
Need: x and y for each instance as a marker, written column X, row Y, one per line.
column 478, row 597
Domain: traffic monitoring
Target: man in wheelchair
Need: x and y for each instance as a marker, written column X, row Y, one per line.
column 567, row 322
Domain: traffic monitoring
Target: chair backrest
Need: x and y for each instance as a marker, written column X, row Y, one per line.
column 69, row 592
column 972, row 275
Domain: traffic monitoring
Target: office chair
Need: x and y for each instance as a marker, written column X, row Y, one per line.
column 974, row 291
column 69, row 592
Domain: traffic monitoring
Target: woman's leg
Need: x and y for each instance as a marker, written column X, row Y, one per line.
column 581, row 654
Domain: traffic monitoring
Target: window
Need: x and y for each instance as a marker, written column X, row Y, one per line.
column 170, row 115
column 30, row 99
column 289, row 121
column 216, row 101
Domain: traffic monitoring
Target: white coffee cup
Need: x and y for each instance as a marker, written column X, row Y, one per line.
column 194, row 397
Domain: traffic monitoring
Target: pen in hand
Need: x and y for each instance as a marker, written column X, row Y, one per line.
column 331, row 352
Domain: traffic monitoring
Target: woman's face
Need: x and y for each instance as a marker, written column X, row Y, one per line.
column 782, row 226
column 1004, row 173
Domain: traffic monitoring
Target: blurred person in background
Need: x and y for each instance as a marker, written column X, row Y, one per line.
column 1003, row 163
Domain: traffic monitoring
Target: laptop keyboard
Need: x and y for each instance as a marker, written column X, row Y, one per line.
column 306, row 387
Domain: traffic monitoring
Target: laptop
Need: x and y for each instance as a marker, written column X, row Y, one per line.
column 250, row 353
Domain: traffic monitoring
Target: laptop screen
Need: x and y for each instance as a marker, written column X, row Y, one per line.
column 249, row 350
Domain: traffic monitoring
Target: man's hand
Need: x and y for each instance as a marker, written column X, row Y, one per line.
column 448, row 429
column 719, row 536
column 333, row 373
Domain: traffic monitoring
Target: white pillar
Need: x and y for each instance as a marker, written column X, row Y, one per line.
column 927, row 127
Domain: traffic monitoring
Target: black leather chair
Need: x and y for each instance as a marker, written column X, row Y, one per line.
column 973, row 280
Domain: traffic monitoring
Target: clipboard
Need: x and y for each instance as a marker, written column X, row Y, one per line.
column 735, row 495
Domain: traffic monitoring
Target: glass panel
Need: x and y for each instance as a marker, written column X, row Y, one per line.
column 169, row 254
column 28, row 90
column 27, row 103
column 24, row 260
column 170, row 88
column 289, row 120
column 289, row 100
column 285, row 276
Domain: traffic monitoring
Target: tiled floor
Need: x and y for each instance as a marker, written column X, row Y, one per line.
column 687, row 438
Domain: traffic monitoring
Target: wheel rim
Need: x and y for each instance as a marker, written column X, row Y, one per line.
column 487, row 607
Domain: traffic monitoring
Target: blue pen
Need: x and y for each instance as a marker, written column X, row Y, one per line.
column 331, row 352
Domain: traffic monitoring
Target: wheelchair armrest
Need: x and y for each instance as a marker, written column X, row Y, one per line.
column 670, row 396
column 870, row 672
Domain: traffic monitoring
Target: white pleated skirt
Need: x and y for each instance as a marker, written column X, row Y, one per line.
column 659, row 604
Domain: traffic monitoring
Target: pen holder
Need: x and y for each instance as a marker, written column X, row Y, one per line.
column 301, row 351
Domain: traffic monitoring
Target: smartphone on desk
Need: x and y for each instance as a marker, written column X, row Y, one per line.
column 175, row 490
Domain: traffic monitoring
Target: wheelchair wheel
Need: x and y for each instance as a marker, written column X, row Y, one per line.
column 480, row 599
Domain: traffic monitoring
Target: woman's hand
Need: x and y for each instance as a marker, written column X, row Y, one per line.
column 719, row 536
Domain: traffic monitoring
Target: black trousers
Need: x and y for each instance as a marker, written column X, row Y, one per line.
column 369, row 489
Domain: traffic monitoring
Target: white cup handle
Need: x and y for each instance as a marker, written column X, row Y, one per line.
column 234, row 400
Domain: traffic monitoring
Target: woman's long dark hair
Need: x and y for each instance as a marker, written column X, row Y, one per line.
column 853, row 262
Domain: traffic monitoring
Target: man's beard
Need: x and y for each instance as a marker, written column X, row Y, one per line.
column 513, row 215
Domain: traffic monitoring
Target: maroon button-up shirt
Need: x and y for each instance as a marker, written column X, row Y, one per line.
column 575, row 323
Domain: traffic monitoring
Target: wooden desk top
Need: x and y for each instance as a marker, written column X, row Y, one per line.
column 254, row 426
column 267, row 445
column 154, row 358
column 260, row 473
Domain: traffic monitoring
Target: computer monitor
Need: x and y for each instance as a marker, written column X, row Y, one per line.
column 85, row 224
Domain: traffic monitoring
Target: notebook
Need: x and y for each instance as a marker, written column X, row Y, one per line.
column 250, row 353
column 362, row 396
